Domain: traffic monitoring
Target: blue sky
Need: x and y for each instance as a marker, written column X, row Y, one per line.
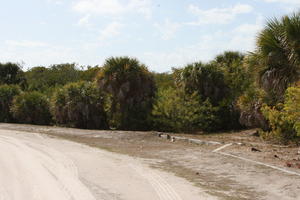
column 161, row 33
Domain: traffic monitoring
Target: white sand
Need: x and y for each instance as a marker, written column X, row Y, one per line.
column 36, row 167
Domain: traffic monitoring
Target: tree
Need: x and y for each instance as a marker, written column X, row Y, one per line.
column 11, row 73
column 38, row 78
column 131, row 88
column 7, row 93
column 278, row 52
column 236, row 76
column 44, row 79
column 164, row 80
column 174, row 110
column 89, row 74
column 79, row 105
column 205, row 79
column 31, row 108
column 238, row 80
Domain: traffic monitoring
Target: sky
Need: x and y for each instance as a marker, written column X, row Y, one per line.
column 160, row 33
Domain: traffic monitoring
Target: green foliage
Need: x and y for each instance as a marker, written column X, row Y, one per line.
column 164, row 80
column 284, row 118
column 279, row 55
column 79, row 105
column 218, row 82
column 236, row 76
column 177, row 111
column 89, row 74
column 238, row 80
column 11, row 73
column 45, row 79
column 31, row 108
column 256, row 90
column 250, row 104
column 131, row 89
column 292, row 107
column 7, row 93
column 205, row 79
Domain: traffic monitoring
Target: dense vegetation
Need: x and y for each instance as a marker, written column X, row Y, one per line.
column 260, row 89
column 79, row 105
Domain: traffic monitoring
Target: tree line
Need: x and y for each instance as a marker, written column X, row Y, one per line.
column 260, row 89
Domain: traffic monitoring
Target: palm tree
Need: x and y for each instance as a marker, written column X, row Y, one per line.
column 132, row 90
column 279, row 55
column 206, row 79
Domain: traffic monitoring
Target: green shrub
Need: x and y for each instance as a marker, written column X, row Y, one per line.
column 176, row 111
column 284, row 119
column 11, row 73
column 7, row 93
column 43, row 79
column 31, row 108
column 131, row 90
column 79, row 105
column 250, row 104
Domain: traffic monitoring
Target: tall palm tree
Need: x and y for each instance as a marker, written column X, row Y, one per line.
column 279, row 54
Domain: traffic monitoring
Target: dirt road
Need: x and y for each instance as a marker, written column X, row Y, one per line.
column 37, row 161
column 37, row 167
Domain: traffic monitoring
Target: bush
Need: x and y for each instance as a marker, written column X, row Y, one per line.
column 7, row 93
column 176, row 111
column 131, row 90
column 292, row 107
column 284, row 118
column 11, row 73
column 44, row 79
column 31, row 108
column 250, row 104
column 79, row 105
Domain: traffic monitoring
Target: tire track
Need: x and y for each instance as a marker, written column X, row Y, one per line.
column 162, row 188
column 47, row 168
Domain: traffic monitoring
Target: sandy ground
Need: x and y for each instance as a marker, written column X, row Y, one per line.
column 34, row 166
column 144, row 162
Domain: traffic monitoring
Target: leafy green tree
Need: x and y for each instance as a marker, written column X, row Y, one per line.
column 236, row 76
column 45, row 79
column 174, row 110
column 131, row 88
column 31, row 108
column 38, row 78
column 278, row 52
column 11, row 73
column 238, row 79
column 164, row 80
column 89, row 74
column 208, row 80
column 79, row 105
column 7, row 93
column 205, row 79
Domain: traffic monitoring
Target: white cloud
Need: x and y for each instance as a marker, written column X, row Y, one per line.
column 295, row 2
column 110, row 31
column 168, row 29
column 242, row 38
column 218, row 15
column 84, row 21
column 113, row 7
column 37, row 53
column 25, row 43
column 57, row 2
